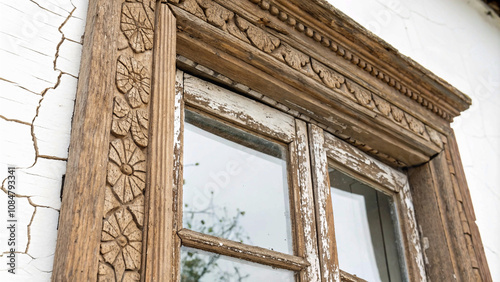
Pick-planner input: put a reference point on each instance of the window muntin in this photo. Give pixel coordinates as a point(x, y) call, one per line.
point(235, 184)
point(201, 266)
point(367, 243)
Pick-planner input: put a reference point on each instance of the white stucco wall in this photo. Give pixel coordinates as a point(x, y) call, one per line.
point(40, 47)
point(460, 42)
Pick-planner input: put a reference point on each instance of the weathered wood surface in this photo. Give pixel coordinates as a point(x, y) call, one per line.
point(346, 277)
point(238, 250)
point(178, 169)
point(365, 167)
point(160, 243)
point(323, 206)
point(412, 244)
point(225, 104)
point(369, 53)
point(80, 221)
point(447, 204)
point(438, 260)
point(267, 74)
point(462, 194)
point(306, 211)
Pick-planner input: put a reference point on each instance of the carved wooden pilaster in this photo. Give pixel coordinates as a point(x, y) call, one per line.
point(103, 213)
point(161, 244)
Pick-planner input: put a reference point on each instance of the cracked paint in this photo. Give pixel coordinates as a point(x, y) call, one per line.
point(40, 46)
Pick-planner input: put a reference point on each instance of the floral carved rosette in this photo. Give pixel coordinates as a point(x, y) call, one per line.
point(123, 222)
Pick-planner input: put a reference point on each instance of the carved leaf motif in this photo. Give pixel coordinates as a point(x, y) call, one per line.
point(329, 77)
point(139, 128)
point(397, 114)
point(382, 105)
point(235, 30)
point(137, 25)
point(192, 7)
point(262, 40)
point(363, 96)
point(122, 118)
point(435, 138)
point(415, 125)
point(121, 242)
point(133, 80)
point(294, 59)
point(216, 14)
point(126, 169)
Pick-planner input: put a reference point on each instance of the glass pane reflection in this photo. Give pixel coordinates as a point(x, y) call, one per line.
point(364, 229)
point(197, 265)
point(235, 185)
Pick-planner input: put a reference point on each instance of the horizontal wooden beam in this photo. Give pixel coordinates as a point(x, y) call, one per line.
point(230, 248)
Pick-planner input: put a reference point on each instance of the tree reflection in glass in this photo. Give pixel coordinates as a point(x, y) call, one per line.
point(235, 187)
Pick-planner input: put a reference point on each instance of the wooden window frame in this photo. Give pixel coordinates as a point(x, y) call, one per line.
point(302, 57)
point(217, 103)
point(329, 151)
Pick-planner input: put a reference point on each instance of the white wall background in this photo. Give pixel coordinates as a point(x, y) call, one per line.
point(40, 48)
point(460, 42)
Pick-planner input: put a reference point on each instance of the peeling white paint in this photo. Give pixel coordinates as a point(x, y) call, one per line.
point(40, 50)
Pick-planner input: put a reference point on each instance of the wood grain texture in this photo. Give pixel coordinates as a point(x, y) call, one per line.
point(323, 205)
point(439, 262)
point(410, 238)
point(306, 205)
point(160, 229)
point(77, 250)
point(463, 198)
point(226, 105)
point(365, 167)
point(447, 204)
point(238, 250)
point(226, 54)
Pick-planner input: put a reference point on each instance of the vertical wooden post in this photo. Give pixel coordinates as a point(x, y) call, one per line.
point(444, 243)
point(160, 186)
point(80, 220)
point(323, 203)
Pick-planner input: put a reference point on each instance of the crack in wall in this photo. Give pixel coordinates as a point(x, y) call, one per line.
point(44, 92)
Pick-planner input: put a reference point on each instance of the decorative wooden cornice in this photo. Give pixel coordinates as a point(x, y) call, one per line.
point(375, 103)
point(352, 57)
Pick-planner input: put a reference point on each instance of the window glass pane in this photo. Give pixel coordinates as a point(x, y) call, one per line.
point(364, 229)
point(197, 265)
point(235, 185)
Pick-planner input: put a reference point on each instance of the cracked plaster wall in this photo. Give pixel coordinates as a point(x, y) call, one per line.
point(40, 50)
point(460, 42)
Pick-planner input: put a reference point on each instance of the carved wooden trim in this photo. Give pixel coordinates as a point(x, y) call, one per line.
point(127, 115)
point(80, 222)
point(451, 243)
point(473, 241)
point(351, 56)
point(161, 238)
point(124, 200)
point(232, 23)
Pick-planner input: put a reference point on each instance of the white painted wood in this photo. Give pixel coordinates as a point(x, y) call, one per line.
point(246, 112)
point(363, 165)
point(39, 41)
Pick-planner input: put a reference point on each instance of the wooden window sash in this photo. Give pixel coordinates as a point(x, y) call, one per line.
point(240, 112)
point(329, 150)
